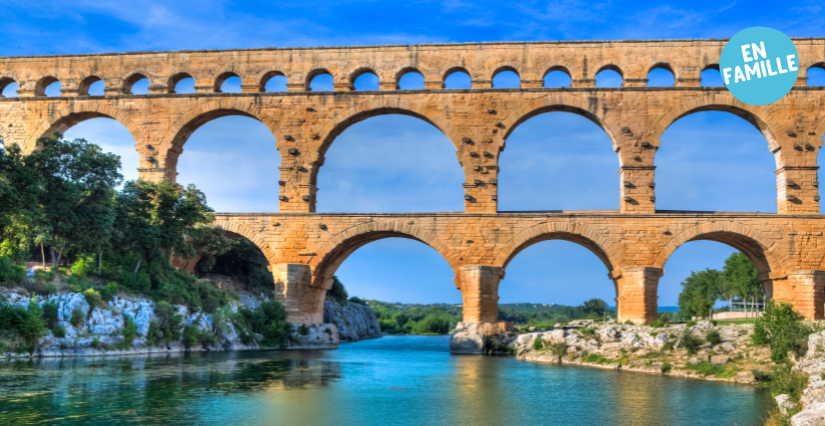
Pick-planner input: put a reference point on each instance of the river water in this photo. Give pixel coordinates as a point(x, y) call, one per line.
point(410, 380)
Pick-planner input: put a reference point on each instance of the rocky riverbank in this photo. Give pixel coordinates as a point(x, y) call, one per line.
point(812, 409)
point(101, 328)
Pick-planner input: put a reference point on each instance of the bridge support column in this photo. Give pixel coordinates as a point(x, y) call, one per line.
point(638, 194)
point(479, 291)
point(797, 190)
point(637, 289)
point(805, 290)
point(293, 288)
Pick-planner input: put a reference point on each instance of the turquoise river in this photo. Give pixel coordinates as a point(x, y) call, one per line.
point(389, 381)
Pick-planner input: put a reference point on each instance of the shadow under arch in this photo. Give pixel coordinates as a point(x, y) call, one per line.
point(186, 125)
point(729, 104)
point(231, 227)
point(765, 255)
point(553, 104)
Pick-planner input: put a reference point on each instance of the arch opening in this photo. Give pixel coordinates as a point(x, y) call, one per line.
point(107, 133)
point(457, 78)
point(703, 261)
point(229, 143)
point(557, 77)
point(609, 76)
point(541, 270)
point(711, 77)
point(661, 75)
point(506, 78)
point(398, 162)
point(541, 167)
point(228, 82)
point(136, 84)
point(245, 263)
point(816, 75)
point(8, 88)
point(410, 79)
point(48, 86)
point(274, 81)
point(92, 86)
point(182, 83)
point(320, 81)
point(713, 159)
point(366, 80)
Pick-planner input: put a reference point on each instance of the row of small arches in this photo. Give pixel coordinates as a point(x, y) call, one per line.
point(365, 79)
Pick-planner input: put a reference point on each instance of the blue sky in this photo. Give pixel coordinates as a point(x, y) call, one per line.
point(375, 166)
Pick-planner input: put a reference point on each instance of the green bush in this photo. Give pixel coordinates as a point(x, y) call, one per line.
point(303, 330)
point(783, 329)
point(10, 273)
point(83, 266)
point(559, 348)
point(110, 291)
point(43, 275)
point(60, 331)
point(538, 343)
point(629, 322)
point(78, 317)
point(50, 314)
point(713, 337)
point(691, 342)
point(171, 322)
point(657, 324)
point(268, 319)
point(691, 323)
point(26, 323)
point(154, 335)
point(96, 342)
point(784, 380)
point(129, 332)
point(190, 336)
point(433, 323)
point(78, 284)
point(207, 337)
point(93, 298)
point(357, 300)
point(337, 293)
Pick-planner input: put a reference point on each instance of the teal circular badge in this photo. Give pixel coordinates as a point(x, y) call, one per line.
point(759, 65)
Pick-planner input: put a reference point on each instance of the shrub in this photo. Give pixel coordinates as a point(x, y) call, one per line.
point(303, 330)
point(26, 324)
point(691, 342)
point(154, 335)
point(96, 342)
point(110, 291)
point(268, 319)
point(190, 336)
point(93, 298)
point(78, 317)
point(10, 273)
point(50, 314)
point(171, 322)
point(83, 266)
point(337, 293)
point(657, 324)
point(691, 323)
point(538, 343)
point(207, 337)
point(432, 323)
point(78, 284)
point(41, 275)
point(786, 381)
point(713, 337)
point(629, 322)
point(783, 329)
point(129, 331)
point(558, 349)
point(60, 331)
point(357, 300)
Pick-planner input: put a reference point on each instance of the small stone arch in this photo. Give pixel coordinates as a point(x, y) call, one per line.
point(763, 251)
point(725, 102)
point(563, 68)
point(269, 75)
point(358, 72)
point(43, 83)
point(222, 78)
point(258, 239)
point(337, 248)
point(609, 67)
point(86, 84)
point(134, 77)
point(594, 240)
point(505, 67)
point(4, 82)
point(404, 71)
point(556, 102)
point(315, 73)
point(176, 78)
point(452, 70)
point(66, 117)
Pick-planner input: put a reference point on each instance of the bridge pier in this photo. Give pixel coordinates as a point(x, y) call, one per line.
point(293, 288)
point(805, 290)
point(637, 297)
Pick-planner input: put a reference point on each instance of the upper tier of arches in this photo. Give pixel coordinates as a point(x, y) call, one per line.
point(531, 62)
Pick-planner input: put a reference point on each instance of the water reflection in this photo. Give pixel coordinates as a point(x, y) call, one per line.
point(389, 381)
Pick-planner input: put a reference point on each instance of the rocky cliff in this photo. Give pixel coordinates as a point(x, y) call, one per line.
point(812, 411)
point(354, 321)
point(101, 329)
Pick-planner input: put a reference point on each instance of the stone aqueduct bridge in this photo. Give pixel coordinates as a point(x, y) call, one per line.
point(305, 248)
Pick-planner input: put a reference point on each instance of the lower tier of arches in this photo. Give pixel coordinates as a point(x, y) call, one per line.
point(305, 250)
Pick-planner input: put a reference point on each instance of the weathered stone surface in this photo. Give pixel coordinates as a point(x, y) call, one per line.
point(466, 340)
point(719, 359)
point(745, 378)
point(354, 321)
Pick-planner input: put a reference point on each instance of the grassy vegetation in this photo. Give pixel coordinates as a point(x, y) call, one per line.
point(704, 368)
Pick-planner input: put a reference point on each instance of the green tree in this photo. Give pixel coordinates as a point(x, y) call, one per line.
point(595, 306)
point(783, 329)
point(20, 192)
point(699, 292)
point(741, 279)
point(337, 293)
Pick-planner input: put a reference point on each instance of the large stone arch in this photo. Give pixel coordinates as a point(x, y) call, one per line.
point(180, 131)
point(595, 240)
point(392, 106)
point(557, 102)
point(65, 118)
point(246, 232)
point(759, 116)
point(768, 258)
